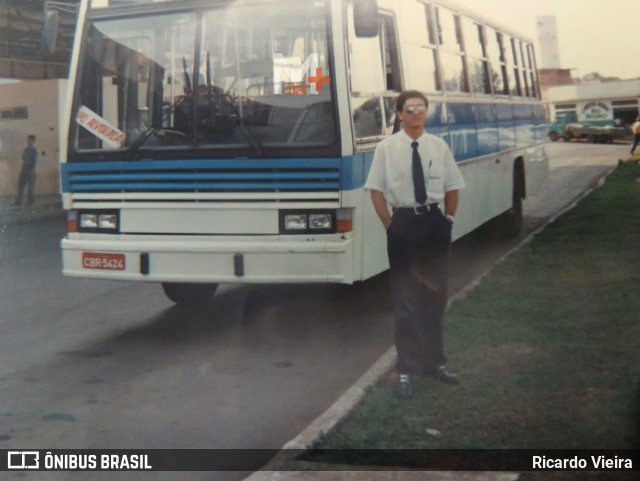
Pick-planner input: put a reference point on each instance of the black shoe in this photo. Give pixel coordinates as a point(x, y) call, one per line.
point(445, 376)
point(404, 388)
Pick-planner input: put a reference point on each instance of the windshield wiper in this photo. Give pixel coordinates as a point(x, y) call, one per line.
point(172, 108)
point(154, 130)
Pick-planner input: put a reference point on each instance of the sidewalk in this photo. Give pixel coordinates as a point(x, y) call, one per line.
point(43, 206)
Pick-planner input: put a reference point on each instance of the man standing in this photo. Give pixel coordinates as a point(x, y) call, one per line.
point(28, 173)
point(414, 172)
point(635, 130)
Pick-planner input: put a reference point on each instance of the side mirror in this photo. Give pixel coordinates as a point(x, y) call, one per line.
point(365, 18)
point(50, 31)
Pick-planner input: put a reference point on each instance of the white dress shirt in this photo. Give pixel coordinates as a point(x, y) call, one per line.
point(391, 171)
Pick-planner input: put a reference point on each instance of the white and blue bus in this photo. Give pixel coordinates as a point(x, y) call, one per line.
point(217, 141)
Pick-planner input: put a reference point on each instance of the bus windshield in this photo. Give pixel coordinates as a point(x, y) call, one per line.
point(236, 75)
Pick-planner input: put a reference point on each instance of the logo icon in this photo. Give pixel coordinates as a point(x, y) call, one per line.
point(295, 75)
point(23, 460)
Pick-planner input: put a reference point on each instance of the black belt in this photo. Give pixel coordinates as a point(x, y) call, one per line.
point(418, 210)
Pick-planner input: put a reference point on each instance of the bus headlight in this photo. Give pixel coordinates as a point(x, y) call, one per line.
point(88, 221)
point(307, 222)
point(108, 221)
point(319, 221)
point(98, 221)
point(295, 222)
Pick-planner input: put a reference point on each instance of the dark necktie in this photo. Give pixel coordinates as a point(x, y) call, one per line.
point(419, 188)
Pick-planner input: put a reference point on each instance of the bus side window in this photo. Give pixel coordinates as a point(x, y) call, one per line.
point(392, 123)
point(367, 117)
point(496, 57)
point(452, 61)
point(390, 55)
point(477, 56)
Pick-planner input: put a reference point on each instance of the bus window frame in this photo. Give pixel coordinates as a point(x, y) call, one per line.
point(442, 49)
point(168, 152)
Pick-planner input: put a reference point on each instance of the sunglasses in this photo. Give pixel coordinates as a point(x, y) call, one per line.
point(415, 109)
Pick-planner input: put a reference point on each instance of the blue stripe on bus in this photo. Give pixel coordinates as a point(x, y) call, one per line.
point(148, 164)
point(202, 186)
point(197, 175)
point(211, 176)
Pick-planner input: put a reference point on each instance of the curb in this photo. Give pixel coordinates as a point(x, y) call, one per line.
point(342, 473)
point(324, 424)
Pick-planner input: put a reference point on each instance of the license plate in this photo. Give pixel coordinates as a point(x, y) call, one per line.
point(102, 260)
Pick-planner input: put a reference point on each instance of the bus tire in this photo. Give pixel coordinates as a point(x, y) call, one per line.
point(510, 222)
point(189, 294)
point(554, 136)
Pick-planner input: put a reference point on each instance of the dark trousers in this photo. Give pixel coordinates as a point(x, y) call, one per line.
point(636, 141)
point(27, 179)
point(418, 248)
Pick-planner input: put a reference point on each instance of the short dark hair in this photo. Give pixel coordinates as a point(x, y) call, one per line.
point(409, 94)
point(31, 137)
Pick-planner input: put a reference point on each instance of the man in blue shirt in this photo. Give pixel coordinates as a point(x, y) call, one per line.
point(28, 173)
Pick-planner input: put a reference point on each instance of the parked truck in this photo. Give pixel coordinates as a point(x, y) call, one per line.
point(567, 127)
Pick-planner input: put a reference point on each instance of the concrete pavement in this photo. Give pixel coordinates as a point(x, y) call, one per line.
point(43, 206)
point(388, 476)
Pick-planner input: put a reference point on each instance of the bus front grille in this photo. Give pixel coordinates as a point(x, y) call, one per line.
point(237, 181)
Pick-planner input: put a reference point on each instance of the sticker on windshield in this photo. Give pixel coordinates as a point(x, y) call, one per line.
point(100, 127)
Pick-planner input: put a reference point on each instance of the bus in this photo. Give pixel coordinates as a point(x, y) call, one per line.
point(213, 142)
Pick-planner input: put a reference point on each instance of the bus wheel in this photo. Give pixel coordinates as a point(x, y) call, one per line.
point(185, 294)
point(510, 222)
point(554, 136)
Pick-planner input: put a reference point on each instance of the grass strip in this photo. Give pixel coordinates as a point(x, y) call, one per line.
point(546, 346)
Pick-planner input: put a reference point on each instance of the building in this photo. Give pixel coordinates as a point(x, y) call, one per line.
point(22, 55)
point(598, 102)
point(548, 41)
point(31, 107)
point(604, 102)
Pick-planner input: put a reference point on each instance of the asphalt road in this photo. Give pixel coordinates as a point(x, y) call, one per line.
point(99, 364)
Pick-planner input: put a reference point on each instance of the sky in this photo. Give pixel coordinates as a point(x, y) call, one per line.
point(593, 35)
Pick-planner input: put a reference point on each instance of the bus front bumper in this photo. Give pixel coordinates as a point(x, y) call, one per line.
point(211, 260)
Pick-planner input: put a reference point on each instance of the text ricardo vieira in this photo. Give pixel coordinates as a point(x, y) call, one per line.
point(577, 462)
